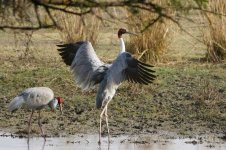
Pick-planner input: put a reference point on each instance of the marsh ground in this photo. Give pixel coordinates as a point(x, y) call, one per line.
point(188, 98)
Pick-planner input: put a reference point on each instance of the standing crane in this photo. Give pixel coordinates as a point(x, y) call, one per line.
point(36, 98)
point(89, 70)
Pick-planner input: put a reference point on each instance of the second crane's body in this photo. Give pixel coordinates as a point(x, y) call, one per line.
point(36, 98)
point(89, 70)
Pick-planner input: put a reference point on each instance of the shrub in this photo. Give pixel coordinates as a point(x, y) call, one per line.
point(151, 45)
point(215, 33)
point(75, 28)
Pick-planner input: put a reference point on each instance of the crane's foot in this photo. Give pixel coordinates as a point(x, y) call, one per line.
point(109, 142)
point(99, 142)
point(28, 137)
point(44, 136)
point(28, 140)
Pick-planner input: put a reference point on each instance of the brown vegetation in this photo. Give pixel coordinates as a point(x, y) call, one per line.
point(215, 34)
point(151, 45)
point(75, 28)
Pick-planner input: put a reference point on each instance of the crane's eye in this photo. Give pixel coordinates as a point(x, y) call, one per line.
point(123, 31)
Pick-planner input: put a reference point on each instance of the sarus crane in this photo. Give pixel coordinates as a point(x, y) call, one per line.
point(36, 98)
point(89, 70)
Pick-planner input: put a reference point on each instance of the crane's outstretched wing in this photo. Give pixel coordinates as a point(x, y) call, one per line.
point(126, 67)
point(87, 68)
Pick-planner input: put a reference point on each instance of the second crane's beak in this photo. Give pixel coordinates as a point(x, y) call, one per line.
point(61, 109)
point(131, 33)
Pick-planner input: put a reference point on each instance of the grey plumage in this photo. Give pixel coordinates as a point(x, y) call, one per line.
point(16, 103)
point(125, 67)
point(86, 67)
point(89, 70)
point(33, 98)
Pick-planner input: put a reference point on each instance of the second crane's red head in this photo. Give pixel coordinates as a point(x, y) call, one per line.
point(60, 101)
point(121, 31)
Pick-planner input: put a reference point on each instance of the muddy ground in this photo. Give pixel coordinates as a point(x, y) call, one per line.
point(188, 98)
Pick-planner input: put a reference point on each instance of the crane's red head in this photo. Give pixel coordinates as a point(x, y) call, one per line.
point(60, 101)
point(121, 31)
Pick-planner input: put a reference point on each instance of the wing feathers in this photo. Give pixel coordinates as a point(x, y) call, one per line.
point(87, 68)
point(147, 65)
point(68, 51)
point(144, 68)
point(146, 79)
point(145, 76)
point(146, 73)
point(137, 71)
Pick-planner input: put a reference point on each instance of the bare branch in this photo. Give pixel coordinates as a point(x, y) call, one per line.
point(50, 16)
point(26, 27)
point(153, 21)
point(37, 15)
point(86, 7)
point(208, 11)
point(36, 2)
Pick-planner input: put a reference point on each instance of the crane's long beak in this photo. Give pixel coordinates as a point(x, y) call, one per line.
point(61, 109)
point(132, 33)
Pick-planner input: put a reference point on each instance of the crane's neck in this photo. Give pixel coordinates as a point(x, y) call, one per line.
point(53, 104)
point(122, 45)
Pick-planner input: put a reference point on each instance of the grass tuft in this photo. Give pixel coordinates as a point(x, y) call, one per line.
point(151, 45)
point(215, 34)
point(76, 28)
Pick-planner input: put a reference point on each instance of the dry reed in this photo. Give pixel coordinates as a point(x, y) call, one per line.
point(214, 35)
point(151, 45)
point(76, 28)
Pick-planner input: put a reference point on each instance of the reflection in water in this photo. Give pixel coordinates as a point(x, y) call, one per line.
point(108, 146)
point(89, 142)
point(28, 144)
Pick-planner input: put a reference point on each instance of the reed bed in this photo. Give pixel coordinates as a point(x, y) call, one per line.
point(214, 36)
point(76, 28)
point(151, 45)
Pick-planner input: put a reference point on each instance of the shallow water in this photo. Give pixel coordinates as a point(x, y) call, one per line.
point(89, 142)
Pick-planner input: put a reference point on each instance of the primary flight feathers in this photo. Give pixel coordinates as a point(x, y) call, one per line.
point(89, 70)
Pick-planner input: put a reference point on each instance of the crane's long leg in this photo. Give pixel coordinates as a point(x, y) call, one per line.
point(106, 116)
point(28, 144)
point(101, 115)
point(29, 124)
point(40, 125)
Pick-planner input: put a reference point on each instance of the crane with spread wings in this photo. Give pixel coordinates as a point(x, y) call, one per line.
point(89, 70)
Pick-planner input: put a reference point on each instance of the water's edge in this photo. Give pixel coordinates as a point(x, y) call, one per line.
point(89, 142)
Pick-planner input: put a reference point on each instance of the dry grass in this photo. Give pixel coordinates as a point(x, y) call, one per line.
point(152, 44)
point(23, 42)
point(75, 28)
point(215, 34)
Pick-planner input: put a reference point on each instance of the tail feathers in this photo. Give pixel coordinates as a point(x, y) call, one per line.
point(99, 101)
point(101, 94)
point(100, 97)
point(16, 103)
